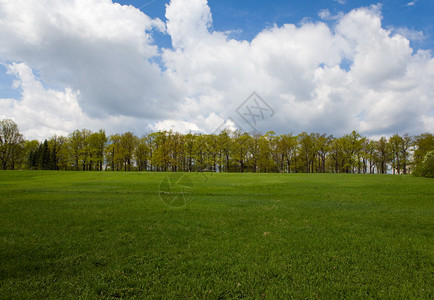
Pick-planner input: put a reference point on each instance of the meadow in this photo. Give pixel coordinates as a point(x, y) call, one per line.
point(72, 235)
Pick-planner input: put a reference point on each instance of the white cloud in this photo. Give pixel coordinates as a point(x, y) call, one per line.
point(178, 126)
point(40, 110)
point(412, 35)
point(378, 56)
point(96, 47)
point(325, 14)
point(188, 21)
point(297, 70)
point(355, 74)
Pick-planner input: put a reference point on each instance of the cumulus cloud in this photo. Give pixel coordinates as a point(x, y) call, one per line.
point(299, 71)
point(101, 49)
point(412, 35)
point(188, 21)
point(372, 47)
point(96, 60)
point(42, 112)
point(178, 126)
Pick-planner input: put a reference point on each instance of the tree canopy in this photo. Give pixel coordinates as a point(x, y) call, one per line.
point(227, 151)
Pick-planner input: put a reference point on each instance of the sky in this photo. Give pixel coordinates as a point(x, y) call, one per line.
point(329, 66)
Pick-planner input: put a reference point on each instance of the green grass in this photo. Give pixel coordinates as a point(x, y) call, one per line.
point(109, 235)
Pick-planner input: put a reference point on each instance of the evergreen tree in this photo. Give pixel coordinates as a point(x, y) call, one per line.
point(32, 159)
point(53, 158)
point(45, 156)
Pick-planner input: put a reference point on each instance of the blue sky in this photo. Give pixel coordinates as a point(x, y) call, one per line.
point(329, 66)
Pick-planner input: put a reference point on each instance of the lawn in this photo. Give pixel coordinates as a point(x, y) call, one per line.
point(124, 235)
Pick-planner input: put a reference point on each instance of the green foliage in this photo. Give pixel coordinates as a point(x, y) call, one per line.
point(228, 151)
point(426, 167)
point(96, 144)
point(53, 158)
point(423, 144)
point(42, 157)
point(70, 235)
point(31, 150)
point(11, 145)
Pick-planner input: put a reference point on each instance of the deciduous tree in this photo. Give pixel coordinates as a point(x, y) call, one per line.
point(11, 144)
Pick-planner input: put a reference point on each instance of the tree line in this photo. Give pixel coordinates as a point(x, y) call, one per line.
point(227, 151)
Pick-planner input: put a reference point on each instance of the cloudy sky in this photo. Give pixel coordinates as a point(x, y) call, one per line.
point(329, 66)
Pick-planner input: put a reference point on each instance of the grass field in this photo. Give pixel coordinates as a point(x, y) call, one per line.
point(110, 235)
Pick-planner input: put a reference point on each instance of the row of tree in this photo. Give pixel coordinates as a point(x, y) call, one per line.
point(228, 151)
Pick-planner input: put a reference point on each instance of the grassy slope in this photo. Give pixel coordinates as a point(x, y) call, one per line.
point(70, 235)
